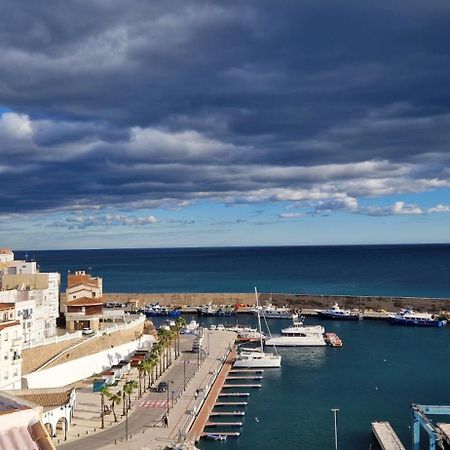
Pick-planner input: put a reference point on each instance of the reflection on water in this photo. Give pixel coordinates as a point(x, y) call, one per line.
point(304, 357)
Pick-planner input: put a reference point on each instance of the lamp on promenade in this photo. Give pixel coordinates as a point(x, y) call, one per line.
point(169, 382)
point(335, 411)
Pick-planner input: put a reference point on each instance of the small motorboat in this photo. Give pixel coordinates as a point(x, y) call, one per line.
point(216, 437)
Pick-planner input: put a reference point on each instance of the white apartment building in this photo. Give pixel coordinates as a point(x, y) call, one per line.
point(35, 296)
point(10, 348)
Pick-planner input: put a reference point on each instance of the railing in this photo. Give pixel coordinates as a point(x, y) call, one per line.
point(123, 326)
point(52, 340)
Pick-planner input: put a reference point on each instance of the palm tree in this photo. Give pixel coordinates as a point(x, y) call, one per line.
point(128, 389)
point(141, 373)
point(103, 391)
point(115, 399)
point(179, 324)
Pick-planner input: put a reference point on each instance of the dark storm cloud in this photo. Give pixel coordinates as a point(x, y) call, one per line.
point(148, 104)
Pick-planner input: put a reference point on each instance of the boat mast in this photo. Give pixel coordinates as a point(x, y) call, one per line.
point(259, 320)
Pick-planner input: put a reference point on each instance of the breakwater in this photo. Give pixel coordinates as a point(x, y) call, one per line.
point(297, 301)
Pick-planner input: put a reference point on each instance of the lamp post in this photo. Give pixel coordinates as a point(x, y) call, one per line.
point(184, 374)
point(335, 411)
point(169, 382)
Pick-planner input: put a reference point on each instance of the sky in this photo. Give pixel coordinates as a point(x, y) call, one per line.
point(209, 123)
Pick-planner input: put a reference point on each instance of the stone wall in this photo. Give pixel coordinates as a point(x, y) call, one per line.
point(298, 301)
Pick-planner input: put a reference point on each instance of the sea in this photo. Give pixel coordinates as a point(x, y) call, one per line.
point(379, 372)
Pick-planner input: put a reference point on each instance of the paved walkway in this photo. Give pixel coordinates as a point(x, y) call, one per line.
point(144, 424)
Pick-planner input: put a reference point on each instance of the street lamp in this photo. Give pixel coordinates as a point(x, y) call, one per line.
point(168, 396)
point(335, 411)
point(184, 374)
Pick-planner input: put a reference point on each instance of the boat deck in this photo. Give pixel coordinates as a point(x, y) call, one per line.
point(386, 436)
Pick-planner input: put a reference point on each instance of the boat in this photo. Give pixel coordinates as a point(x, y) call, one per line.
point(208, 310)
point(299, 335)
point(332, 339)
point(335, 312)
point(409, 317)
point(257, 357)
point(156, 310)
point(270, 311)
point(216, 436)
point(190, 328)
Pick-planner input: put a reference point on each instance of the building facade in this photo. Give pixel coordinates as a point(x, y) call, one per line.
point(10, 348)
point(35, 296)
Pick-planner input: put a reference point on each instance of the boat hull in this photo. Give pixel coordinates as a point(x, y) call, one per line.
point(417, 323)
point(258, 363)
point(330, 316)
point(295, 342)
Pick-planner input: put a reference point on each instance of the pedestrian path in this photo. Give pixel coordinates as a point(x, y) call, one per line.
point(153, 404)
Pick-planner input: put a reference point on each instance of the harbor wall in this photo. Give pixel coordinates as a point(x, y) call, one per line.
point(297, 301)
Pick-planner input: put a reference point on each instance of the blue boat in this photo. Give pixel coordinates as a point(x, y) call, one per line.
point(408, 317)
point(337, 313)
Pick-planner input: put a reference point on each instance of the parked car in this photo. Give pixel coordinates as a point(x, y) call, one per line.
point(162, 387)
point(87, 331)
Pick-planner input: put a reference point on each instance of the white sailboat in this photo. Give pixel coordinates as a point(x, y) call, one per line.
point(257, 357)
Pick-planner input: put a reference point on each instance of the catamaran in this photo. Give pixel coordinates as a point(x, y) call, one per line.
point(299, 335)
point(257, 357)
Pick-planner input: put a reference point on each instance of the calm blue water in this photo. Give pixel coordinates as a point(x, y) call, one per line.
point(378, 373)
point(405, 270)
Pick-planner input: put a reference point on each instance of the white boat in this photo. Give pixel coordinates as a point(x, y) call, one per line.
point(257, 357)
point(299, 335)
point(335, 312)
point(208, 310)
point(270, 311)
point(190, 327)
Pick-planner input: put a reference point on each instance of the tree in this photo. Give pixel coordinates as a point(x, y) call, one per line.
point(141, 373)
point(103, 392)
point(115, 399)
point(128, 389)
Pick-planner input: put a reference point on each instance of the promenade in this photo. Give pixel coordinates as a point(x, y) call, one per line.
point(145, 427)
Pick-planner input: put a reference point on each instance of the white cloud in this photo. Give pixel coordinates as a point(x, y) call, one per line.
point(290, 215)
point(15, 126)
point(439, 209)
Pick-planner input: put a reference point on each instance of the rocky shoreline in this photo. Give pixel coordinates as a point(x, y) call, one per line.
point(297, 301)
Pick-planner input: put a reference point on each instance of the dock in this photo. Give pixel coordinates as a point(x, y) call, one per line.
point(196, 431)
point(227, 413)
point(234, 394)
point(386, 436)
point(247, 371)
point(251, 377)
point(231, 386)
point(231, 404)
point(233, 434)
point(223, 424)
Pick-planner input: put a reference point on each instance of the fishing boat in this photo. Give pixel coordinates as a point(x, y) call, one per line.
point(156, 310)
point(270, 311)
point(408, 317)
point(299, 335)
point(257, 357)
point(335, 312)
point(208, 310)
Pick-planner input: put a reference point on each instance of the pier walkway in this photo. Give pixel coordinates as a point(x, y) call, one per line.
point(386, 436)
point(203, 416)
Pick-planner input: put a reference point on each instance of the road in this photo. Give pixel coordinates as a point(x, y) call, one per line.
point(149, 410)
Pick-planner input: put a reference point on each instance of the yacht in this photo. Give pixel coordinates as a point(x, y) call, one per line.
point(270, 311)
point(299, 335)
point(335, 312)
point(257, 357)
point(411, 318)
